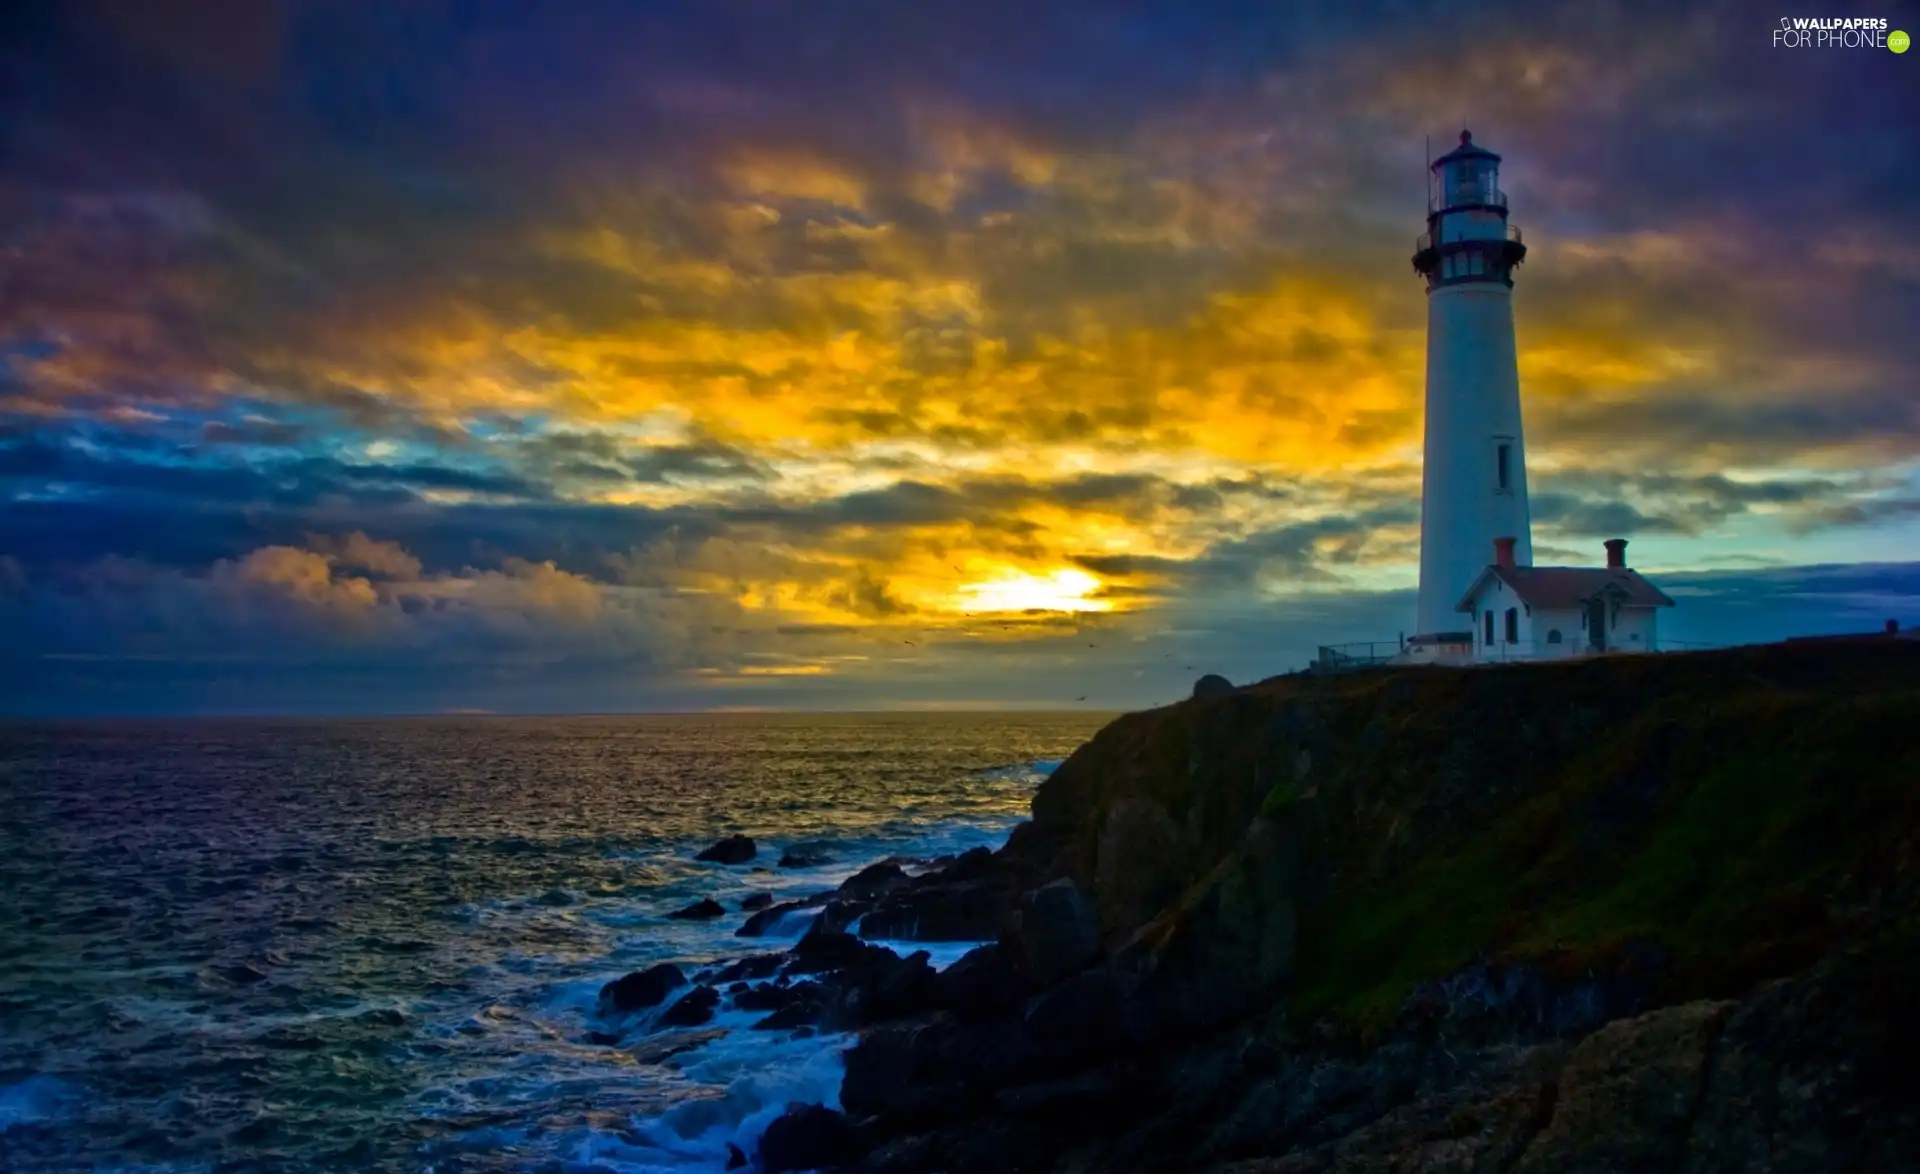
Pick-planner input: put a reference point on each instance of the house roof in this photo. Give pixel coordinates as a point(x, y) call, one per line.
point(1568, 586)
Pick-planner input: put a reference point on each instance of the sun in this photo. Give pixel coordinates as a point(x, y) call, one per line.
point(1062, 590)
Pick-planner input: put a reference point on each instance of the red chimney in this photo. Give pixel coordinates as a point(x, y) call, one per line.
point(1503, 552)
point(1616, 553)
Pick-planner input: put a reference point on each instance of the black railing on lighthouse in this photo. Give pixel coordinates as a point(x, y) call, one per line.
point(1424, 241)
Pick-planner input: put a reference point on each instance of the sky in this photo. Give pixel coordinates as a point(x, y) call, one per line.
point(429, 356)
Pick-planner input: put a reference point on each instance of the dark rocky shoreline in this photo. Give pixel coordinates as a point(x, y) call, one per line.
point(1635, 914)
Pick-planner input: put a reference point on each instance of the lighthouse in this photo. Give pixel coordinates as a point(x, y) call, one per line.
point(1474, 481)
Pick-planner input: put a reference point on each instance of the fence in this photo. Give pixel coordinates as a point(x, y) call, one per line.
point(1341, 658)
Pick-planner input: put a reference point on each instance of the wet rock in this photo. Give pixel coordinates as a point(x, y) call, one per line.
point(764, 920)
point(756, 901)
point(965, 901)
point(807, 1137)
point(659, 1048)
point(874, 881)
point(1210, 686)
point(805, 855)
point(731, 850)
point(768, 996)
point(601, 1039)
point(797, 1014)
point(693, 1008)
point(831, 949)
point(831, 914)
point(641, 988)
point(751, 967)
point(736, 1158)
point(704, 909)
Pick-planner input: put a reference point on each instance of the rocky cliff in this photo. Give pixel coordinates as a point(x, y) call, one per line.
point(1623, 914)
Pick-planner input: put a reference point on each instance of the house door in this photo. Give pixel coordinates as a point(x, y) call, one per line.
point(1597, 624)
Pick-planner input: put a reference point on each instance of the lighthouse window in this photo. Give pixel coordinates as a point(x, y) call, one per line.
point(1513, 625)
point(1553, 636)
point(1503, 462)
point(1489, 619)
point(1476, 263)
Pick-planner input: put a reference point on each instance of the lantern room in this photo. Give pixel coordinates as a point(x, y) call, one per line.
point(1469, 177)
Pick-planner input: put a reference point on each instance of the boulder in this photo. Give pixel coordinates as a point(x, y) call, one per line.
point(808, 1137)
point(769, 996)
point(823, 948)
point(966, 912)
point(736, 1157)
point(935, 1066)
point(764, 920)
point(805, 856)
point(693, 1008)
point(1055, 932)
point(1210, 686)
point(1629, 1094)
point(987, 981)
point(702, 910)
point(797, 1014)
point(731, 850)
point(755, 902)
point(642, 988)
point(873, 881)
point(751, 967)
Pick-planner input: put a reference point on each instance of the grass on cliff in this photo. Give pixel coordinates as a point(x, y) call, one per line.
point(1731, 833)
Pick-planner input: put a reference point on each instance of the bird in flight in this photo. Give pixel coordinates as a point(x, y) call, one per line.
point(1082, 697)
point(906, 642)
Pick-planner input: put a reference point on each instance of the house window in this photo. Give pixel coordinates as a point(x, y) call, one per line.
point(1489, 618)
point(1553, 636)
point(1513, 625)
point(1503, 464)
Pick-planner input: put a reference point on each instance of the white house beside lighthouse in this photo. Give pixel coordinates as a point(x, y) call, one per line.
point(1474, 481)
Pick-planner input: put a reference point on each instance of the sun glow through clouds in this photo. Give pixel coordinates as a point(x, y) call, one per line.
point(1062, 590)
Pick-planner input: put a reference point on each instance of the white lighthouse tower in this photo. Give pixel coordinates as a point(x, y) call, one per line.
point(1475, 477)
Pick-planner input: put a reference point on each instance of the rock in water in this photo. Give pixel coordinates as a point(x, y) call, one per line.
point(732, 850)
point(694, 1008)
point(755, 902)
point(735, 1157)
point(807, 1137)
point(874, 881)
point(701, 910)
point(752, 966)
point(642, 988)
point(1210, 686)
point(800, 858)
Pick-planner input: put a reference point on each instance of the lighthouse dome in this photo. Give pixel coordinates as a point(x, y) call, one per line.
point(1468, 149)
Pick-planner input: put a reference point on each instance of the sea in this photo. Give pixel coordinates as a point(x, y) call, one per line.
point(240, 945)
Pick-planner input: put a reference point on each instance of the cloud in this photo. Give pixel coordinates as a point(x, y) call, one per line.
point(771, 332)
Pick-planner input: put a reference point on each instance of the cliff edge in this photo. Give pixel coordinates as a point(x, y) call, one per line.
point(1653, 912)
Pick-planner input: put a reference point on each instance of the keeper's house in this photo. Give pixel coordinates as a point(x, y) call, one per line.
point(1544, 613)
